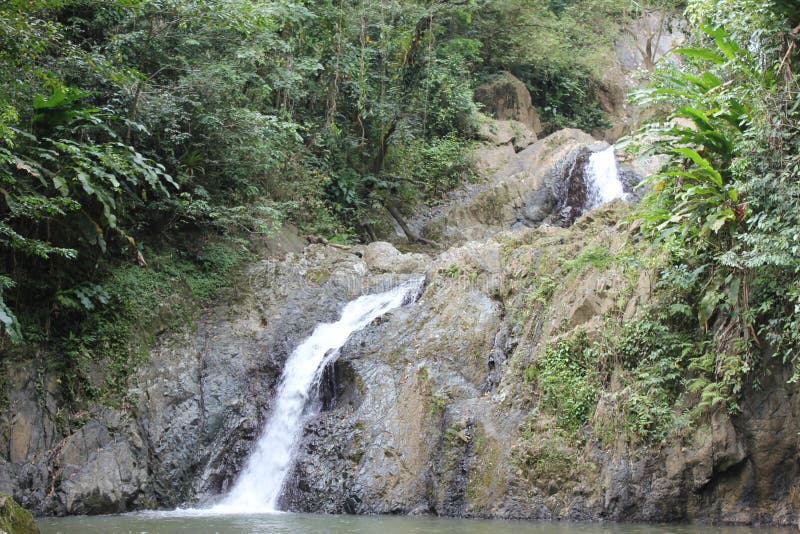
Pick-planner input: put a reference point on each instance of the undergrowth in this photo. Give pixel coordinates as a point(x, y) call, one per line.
point(108, 327)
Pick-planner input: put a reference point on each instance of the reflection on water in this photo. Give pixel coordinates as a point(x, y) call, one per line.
point(176, 522)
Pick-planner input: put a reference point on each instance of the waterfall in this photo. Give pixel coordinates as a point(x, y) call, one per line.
point(259, 485)
point(602, 179)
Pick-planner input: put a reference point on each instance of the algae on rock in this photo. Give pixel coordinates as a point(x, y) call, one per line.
point(14, 519)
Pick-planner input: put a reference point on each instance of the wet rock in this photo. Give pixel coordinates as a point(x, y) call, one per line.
point(195, 412)
point(109, 481)
point(416, 372)
point(440, 404)
point(27, 420)
point(521, 190)
point(573, 190)
point(340, 386)
point(100, 468)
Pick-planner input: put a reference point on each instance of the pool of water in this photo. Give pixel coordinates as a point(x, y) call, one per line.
point(174, 523)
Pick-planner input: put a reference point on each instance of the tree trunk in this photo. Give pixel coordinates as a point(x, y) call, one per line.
point(369, 231)
point(410, 235)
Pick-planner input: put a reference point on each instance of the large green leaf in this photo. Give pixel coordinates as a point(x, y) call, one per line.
point(695, 115)
point(60, 96)
point(9, 322)
point(700, 53)
point(701, 162)
point(723, 40)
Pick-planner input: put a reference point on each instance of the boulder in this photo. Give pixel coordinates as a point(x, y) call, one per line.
point(383, 257)
point(505, 97)
point(510, 132)
point(102, 467)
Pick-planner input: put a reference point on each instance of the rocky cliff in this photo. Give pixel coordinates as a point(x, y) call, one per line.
point(431, 411)
point(443, 407)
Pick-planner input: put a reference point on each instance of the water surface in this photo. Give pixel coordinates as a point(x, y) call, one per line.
point(171, 523)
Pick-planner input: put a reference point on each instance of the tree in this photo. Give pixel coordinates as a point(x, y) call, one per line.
point(653, 19)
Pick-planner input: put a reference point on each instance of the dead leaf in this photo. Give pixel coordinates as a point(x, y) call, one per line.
point(21, 165)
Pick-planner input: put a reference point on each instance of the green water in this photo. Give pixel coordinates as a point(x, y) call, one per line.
point(170, 523)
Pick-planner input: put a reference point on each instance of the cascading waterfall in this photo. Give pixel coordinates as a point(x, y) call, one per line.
point(602, 179)
point(260, 483)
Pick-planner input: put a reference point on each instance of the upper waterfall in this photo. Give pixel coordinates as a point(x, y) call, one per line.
point(259, 485)
point(602, 179)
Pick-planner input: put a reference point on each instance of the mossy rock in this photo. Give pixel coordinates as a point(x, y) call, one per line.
point(14, 519)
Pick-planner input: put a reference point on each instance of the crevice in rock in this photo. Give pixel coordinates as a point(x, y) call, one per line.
point(502, 348)
point(448, 479)
point(573, 192)
point(340, 387)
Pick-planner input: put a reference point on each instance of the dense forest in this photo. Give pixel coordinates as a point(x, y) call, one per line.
point(146, 144)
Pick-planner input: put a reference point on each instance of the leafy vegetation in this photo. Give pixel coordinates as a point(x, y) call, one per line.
point(724, 205)
point(145, 142)
point(133, 130)
point(567, 365)
point(560, 50)
point(560, 65)
point(648, 356)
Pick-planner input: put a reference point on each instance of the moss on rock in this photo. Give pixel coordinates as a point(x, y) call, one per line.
point(14, 519)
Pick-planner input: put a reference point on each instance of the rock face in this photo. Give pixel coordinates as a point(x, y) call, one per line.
point(102, 468)
point(522, 190)
point(193, 413)
point(541, 184)
point(430, 412)
point(637, 47)
point(428, 409)
point(498, 133)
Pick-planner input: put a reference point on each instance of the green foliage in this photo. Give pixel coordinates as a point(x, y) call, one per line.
point(544, 288)
point(68, 182)
point(453, 271)
point(567, 377)
point(563, 65)
point(655, 356)
point(85, 298)
point(541, 457)
point(438, 404)
point(595, 255)
point(433, 167)
point(137, 121)
point(7, 317)
point(14, 518)
point(699, 194)
point(141, 121)
point(119, 317)
point(724, 205)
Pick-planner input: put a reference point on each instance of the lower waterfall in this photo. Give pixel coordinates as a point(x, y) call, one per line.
point(259, 485)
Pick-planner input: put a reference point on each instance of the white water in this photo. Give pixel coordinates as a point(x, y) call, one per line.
point(602, 179)
point(259, 485)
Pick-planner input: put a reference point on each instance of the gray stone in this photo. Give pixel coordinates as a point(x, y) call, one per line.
point(505, 97)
